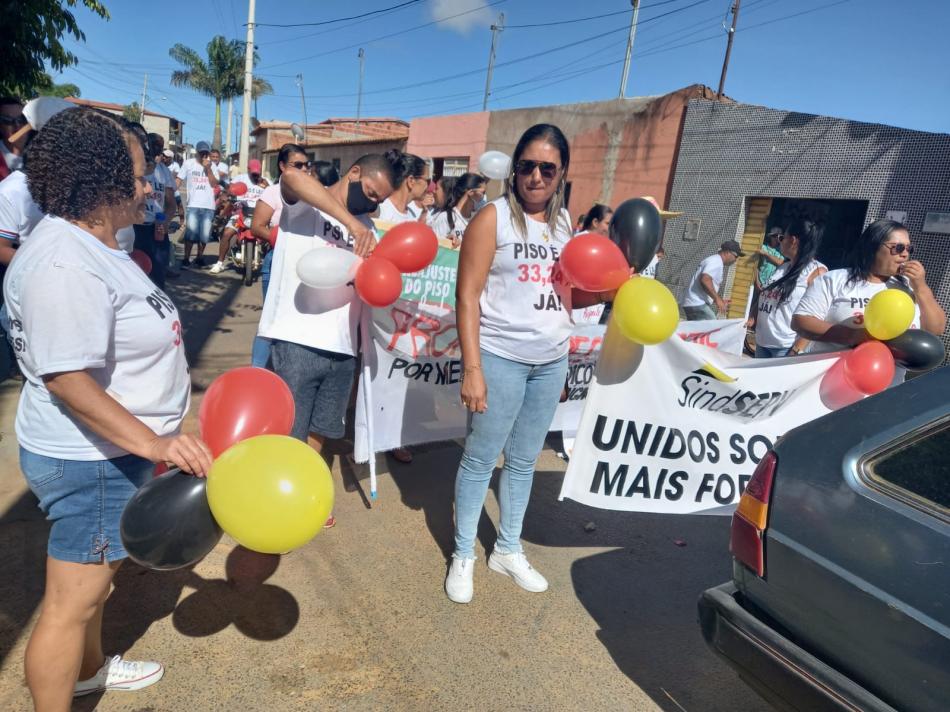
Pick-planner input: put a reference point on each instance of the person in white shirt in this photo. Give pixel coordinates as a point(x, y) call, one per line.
point(106, 390)
point(245, 204)
point(199, 178)
point(222, 171)
point(313, 332)
point(450, 222)
point(597, 220)
point(704, 287)
point(831, 314)
point(151, 236)
point(514, 326)
point(402, 205)
point(777, 302)
point(174, 166)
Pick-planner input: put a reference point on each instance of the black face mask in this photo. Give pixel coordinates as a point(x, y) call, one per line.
point(357, 202)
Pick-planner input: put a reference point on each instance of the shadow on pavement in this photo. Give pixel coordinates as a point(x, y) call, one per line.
point(23, 535)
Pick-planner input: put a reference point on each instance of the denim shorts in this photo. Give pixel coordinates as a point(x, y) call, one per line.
point(321, 382)
point(84, 500)
point(198, 225)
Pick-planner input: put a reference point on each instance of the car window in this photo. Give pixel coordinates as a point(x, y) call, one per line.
point(918, 468)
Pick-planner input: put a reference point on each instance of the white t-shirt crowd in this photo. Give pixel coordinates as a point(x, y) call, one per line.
point(696, 296)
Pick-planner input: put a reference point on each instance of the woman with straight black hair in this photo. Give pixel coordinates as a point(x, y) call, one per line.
point(325, 172)
point(831, 313)
point(450, 222)
point(514, 325)
point(774, 336)
point(597, 219)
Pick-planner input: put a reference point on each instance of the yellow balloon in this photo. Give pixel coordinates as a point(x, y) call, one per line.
point(889, 314)
point(272, 493)
point(645, 311)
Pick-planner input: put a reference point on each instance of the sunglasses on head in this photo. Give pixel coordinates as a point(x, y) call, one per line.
point(526, 168)
point(899, 248)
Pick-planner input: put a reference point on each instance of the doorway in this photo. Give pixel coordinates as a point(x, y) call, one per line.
point(840, 220)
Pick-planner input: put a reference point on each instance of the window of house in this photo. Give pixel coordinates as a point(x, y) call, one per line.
point(455, 166)
point(918, 470)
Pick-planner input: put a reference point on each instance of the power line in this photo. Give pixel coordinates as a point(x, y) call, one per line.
point(585, 19)
point(390, 35)
point(340, 19)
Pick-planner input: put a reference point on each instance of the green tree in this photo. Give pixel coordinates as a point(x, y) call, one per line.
point(132, 112)
point(47, 87)
point(30, 35)
point(221, 77)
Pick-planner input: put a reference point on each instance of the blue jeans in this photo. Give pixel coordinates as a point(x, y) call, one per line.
point(771, 351)
point(701, 313)
point(522, 399)
point(84, 500)
point(198, 224)
point(260, 351)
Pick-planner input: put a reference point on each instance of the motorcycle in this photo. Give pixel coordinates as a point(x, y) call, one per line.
point(247, 252)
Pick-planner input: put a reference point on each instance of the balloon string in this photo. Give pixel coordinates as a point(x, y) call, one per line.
point(367, 348)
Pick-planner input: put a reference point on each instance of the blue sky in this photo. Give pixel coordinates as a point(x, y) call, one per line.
point(870, 60)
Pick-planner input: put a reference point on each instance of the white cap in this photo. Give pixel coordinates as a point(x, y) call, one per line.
point(40, 110)
point(168, 154)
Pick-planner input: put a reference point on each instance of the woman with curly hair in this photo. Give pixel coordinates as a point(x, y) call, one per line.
point(106, 389)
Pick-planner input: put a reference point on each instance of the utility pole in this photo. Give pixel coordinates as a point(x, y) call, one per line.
point(626, 62)
point(359, 92)
point(303, 103)
point(495, 30)
point(248, 84)
point(227, 141)
point(142, 107)
point(725, 62)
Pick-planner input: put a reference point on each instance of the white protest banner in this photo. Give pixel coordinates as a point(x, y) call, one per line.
point(679, 427)
point(726, 335)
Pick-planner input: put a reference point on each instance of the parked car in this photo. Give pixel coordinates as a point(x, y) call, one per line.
point(840, 598)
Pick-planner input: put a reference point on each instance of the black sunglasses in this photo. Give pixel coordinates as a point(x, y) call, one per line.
point(548, 170)
point(899, 248)
point(300, 165)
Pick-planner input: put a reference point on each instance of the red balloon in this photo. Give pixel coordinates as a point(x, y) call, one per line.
point(237, 189)
point(593, 263)
point(378, 282)
point(243, 403)
point(870, 367)
point(142, 260)
point(411, 246)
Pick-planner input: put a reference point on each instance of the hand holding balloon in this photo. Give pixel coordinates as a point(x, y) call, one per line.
point(184, 451)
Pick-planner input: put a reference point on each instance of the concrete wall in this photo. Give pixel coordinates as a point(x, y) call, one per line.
point(450, 137)
point(732, 152)
point(620, 149)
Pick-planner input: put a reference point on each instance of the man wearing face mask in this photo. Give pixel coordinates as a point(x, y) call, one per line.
point(313, 331)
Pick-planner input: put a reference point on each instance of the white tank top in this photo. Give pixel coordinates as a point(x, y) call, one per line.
point(773, 326)
point(525, 306)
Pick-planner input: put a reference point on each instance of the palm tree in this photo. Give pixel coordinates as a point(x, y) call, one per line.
point(220, 77)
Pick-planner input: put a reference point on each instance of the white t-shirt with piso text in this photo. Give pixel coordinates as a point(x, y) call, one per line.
point(74, 304)
point(197, 186)
point(325, 319)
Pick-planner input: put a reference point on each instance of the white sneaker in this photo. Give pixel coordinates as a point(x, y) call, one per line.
point(217, 268)
point(458, 584)
point(119, 674)
point(517, 566)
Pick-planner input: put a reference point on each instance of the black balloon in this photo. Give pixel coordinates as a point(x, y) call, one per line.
point(167, 524)
point(917, 350)
point(635, 228)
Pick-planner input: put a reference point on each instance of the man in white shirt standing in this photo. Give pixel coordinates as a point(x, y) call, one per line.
point(221, 169)
point(703, 292)
point(314, 331)
point(199, 180)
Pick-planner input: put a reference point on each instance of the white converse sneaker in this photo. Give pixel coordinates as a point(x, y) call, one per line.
point(458, 584)
point(517, 566)
point(119, 674)
point(217, 268)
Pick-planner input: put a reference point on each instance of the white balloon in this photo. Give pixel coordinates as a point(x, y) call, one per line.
point(327, 267)
point(494, 164)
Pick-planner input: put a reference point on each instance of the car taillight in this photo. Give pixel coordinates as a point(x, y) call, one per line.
point(751, 517)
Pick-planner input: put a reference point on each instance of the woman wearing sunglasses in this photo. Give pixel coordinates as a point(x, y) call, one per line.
point(514, 324)
point(831, 313)
point(774, 336)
